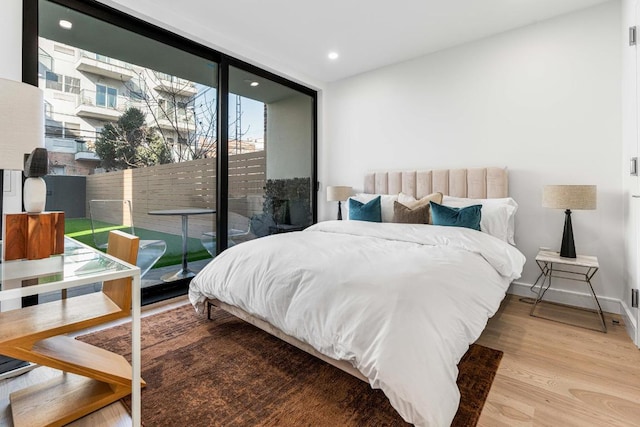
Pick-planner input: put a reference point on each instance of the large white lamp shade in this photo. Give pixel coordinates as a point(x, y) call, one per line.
point(21, 131)
point(21, 122)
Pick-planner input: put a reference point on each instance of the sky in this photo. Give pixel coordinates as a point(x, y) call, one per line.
point(252, 112)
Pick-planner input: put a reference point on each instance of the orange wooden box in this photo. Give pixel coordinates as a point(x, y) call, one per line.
point(32, 235)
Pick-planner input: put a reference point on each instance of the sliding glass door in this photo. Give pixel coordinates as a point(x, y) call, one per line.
point(134, 120)
point(270, 145)
point(131, 125)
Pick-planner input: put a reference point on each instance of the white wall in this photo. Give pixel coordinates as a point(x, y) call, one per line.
point(630, 149)
point(289, 137)
point(11, 68)
point(543, 100)
point(11, 35)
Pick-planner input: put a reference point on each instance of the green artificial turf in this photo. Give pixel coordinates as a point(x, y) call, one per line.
point(80, 229)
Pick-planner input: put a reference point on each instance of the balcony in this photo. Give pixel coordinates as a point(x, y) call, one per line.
point(184, 121)
point(110, 108)
point(86, 151)
point(104, 66)
point(87, 156)
point(174, 85)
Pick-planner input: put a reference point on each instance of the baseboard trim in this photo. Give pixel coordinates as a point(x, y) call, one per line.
point(629, 322)
point(563, 296)
point(584, 300)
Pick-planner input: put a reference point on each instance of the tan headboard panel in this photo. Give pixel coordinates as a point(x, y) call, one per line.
point(477, 183)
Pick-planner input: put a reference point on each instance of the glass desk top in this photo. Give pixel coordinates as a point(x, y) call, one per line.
point(80, 264)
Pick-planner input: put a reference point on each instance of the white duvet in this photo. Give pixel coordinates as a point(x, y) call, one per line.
point(401, 302)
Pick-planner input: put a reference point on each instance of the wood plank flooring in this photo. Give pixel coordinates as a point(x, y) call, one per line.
point(552, 374)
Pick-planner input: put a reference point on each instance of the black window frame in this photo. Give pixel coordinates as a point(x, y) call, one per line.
point(30, 57)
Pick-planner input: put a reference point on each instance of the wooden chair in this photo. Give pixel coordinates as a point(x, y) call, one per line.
point(93, 377)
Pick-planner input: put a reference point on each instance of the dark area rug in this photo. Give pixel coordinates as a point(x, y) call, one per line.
point(226, 372)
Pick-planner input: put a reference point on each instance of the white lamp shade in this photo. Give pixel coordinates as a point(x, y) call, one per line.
point(338, 193)
point(579, 197)
point(21, 122)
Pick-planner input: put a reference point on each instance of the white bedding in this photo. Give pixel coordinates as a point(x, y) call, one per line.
point(401, 302)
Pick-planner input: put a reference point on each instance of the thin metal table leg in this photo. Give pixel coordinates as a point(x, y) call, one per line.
point(185, 228)
point(593, 293)
point(546, 276)
point(184, 272)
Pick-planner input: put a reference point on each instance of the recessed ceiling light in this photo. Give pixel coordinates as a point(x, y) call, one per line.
point(254, 84)
point(67, 25)
point(333, 55)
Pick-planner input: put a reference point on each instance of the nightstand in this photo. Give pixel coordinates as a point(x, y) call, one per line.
point(580, 269)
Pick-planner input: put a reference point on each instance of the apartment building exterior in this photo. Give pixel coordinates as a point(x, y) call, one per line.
point(84, 91)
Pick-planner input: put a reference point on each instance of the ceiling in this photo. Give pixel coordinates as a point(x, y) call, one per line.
point(88, 34)
point(294, 36)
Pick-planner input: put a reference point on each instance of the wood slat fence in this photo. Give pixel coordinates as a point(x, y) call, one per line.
point(183, 185)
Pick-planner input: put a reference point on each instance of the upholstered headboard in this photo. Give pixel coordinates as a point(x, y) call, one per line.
point(476, 183)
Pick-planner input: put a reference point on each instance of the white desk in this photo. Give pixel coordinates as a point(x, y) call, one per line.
point(80, 265)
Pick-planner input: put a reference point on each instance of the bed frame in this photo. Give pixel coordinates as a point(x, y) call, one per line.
point(477, 183)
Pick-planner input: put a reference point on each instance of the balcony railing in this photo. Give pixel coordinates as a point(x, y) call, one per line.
point(105, 59)
point(104, 66)
point(181, 120)
point(102, 105)
point(175, 85)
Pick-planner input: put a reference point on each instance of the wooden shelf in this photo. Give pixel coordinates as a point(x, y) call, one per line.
point(71, 355)
point(56, 317)
point(93, 377)
point(62, 400)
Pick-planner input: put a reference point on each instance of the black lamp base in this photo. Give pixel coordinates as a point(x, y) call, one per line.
point(568, 248)
point(339, 210)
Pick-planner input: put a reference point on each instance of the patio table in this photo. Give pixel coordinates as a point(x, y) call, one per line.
point(184, 272)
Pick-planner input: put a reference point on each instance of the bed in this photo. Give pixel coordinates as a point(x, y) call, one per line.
point(396, 305)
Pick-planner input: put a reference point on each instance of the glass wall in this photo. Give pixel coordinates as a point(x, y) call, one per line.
point(270, 157)
point(132, 111)
point(136, 120)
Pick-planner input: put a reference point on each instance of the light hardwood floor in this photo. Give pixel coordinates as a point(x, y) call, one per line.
point(551, 374)
point(554, 374)
point(114, 415)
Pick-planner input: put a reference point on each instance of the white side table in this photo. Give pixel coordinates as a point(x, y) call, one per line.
point(551, 265)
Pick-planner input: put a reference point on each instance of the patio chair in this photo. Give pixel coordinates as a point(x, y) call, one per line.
point(117, 214)
point(238, 228)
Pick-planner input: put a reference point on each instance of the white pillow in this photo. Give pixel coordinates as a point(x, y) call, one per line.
point(386, 203)
point(497, 215)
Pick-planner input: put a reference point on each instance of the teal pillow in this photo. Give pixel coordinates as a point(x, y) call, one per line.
point(468, 217)
point(370, 211)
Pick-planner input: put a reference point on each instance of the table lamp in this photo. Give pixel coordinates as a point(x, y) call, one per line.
point(21, 125)
point(338, 194)
point(579, 197)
